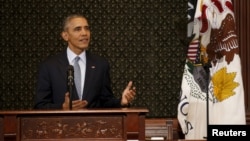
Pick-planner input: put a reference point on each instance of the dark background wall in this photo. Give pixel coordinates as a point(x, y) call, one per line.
point(138, 37)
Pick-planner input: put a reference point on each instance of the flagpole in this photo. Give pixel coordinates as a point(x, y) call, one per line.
point(207, 67)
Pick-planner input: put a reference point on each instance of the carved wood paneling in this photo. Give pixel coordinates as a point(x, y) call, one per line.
point(242, 12)
point(72, 127)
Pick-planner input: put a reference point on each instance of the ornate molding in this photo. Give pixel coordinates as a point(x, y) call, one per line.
point(71, 127)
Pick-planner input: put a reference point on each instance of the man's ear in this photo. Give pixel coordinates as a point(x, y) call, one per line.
point(64, 35)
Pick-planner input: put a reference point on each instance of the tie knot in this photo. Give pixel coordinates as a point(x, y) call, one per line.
point(77, 58)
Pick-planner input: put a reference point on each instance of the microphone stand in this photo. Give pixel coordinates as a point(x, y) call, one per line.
point(70, 84)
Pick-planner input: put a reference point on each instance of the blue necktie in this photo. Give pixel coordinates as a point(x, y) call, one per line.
point(77, 76)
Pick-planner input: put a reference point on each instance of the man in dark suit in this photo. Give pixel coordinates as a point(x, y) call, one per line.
point(95, 86)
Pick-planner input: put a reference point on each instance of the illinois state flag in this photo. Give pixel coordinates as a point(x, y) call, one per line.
point(214, 32)
point(226, 86)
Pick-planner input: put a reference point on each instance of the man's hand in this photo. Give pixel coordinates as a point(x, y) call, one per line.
point(128, 94)
point(76, 104)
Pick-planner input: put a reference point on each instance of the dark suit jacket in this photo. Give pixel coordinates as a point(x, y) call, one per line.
point(52, 83)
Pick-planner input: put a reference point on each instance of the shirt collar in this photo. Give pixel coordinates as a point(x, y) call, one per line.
point(71, 56)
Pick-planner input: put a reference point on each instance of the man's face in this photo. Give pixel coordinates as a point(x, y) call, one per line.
point(77, 34)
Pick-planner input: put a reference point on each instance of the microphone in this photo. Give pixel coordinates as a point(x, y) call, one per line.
point(70, 83)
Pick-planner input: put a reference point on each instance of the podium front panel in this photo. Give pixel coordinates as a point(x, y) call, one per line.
point(72, 127)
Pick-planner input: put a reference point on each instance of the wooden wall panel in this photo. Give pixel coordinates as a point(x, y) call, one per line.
point(242, 12)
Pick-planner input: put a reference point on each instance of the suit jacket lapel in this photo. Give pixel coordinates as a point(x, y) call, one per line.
point(90, 67)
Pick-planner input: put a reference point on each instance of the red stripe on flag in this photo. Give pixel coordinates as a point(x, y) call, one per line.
point(192, 50)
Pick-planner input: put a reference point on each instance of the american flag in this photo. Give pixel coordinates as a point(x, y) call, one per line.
point(193, 51)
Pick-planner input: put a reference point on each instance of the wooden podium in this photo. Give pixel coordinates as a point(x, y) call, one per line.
point(73, 125)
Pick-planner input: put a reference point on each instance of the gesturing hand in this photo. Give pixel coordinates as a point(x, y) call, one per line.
point(128, 94)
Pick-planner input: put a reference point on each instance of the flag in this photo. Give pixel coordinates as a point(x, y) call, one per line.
point(194, 88)
point(226, 92)
point(215, 72)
